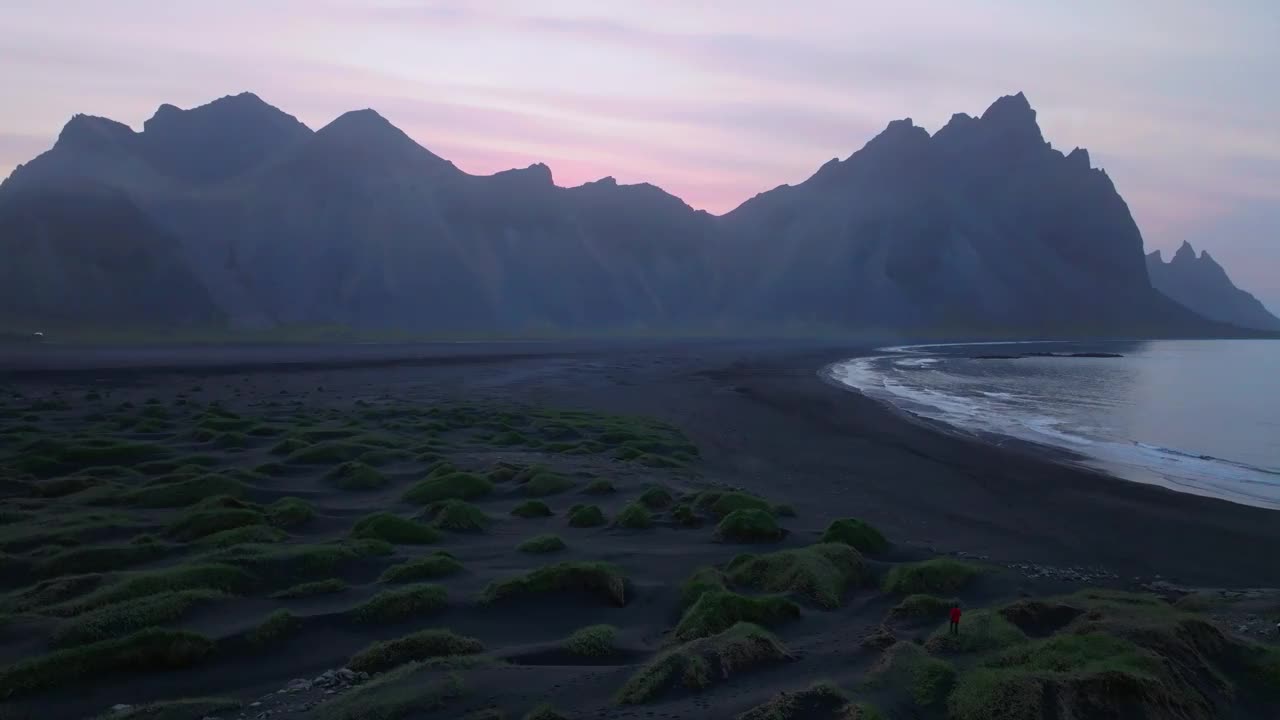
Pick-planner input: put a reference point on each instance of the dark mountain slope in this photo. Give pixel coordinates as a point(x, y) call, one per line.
point(1200, 284)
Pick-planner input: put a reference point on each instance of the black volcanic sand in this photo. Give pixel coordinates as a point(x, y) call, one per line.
point(146, 464)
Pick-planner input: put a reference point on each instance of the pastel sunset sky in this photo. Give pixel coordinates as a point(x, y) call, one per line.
point(714, 101)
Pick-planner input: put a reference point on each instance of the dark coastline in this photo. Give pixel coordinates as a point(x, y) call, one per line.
point(767, 420)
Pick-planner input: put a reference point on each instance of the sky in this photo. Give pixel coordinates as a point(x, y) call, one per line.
point(715, 100)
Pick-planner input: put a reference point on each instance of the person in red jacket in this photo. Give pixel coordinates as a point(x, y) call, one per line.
point(955, 619)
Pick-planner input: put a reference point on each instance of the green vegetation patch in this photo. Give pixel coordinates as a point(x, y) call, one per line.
point(702, 580)
point(585, 516)
point(402, 603)
point(820, 573)
point(723, 502)
point(684, 516)
point(309, 589)
point(542, 544)
point(125, 618)
point(451, 486)
point(656, 498)
point(749, 526)
point(290, 512)
point(183, 493)
point(547, 483)
point(249, 534)
point(717, 610)
point(595, 578)
point(545, 712)
point(433, 566)
point(939, 575)
point(599, 487)
point(700, 663)
point(908, 667)
point(531, 509)
point(458, 516)
point(356, 475)
point(593, 641)
point(820, 700)
point(146, 651)
point(383, 656)
point(200, 523)
point(278, 626)
point(328, 453)
point(980, 631)
point(291, 563)
point(394, 529)
point(634, 516)
point(400, 693)
point(856, 534)
point(207, 576)
point(923, 606)
point(100, 558)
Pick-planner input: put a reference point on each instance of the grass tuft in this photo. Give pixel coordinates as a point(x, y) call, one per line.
point(278, 626)
point(921, 605)
point(856, 534)
point(309, 589)
point(542, 544)
point(821, 699)
point(596, 578)
point(290, 512)
point(592, 641)
point(402, 604)
point(459, 516)
point(820, 573)
point(421, 645)
point(584, 516)
point(939, 575)
point(717, 610)
point(907, 666)
point(355, 475)
point(185, 492)
point(531, 509)
point(599, 487)
point(546, 483)
point(394, 529)
point(200, 523)
point(124, 618)
point(656, 498)
point(433, 566)
point(702, 662)
point(634, 516)
point(451, 486)
point(748, 526)
point(146, 651)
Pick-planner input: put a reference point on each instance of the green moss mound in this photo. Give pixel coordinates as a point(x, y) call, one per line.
point(452, 486)
point(717, 610)
point(329, 453)
point(198, 524)
point(599, 487)
point(748, 526)
point(635, 516)
point(185, 492)
point(531, 509)
point(545, 712)
point(100, 558)
point(939, 575)
point(402, 604)
point(599, 579)
point(130, 616)
point(547, 483)
point(394, 529)
point(656, 498)
point(459, 516)
point(278, 626)
point(249, 534)
point(980, 631)
point(906, 666)
point(820, 573)
point(383, 656)
point(585, 516)
point(309, 589)
point(703, 662)
point(205, 576)
point(923, 606)
point(856, 534)
point(592, 641)
point(542, 544)
point(702, 580)
point(146, 651)
point(723, 502)
point(820, 700)
point(356, 475)
point(407, 691)
point(425, 568)
point(290, 512)
point(684, 516)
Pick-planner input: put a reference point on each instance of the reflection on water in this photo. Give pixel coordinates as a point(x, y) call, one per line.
point(1197, 416)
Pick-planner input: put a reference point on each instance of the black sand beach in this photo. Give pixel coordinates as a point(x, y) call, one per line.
point(763, 420)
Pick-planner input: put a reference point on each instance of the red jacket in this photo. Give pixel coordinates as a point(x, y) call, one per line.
point(955, 614)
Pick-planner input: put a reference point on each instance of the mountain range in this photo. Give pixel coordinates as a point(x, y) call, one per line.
point(236, 214)
point(1200, 284)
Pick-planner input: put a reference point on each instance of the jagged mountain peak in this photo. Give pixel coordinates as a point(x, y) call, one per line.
point(90, 130)
point(1185, 253)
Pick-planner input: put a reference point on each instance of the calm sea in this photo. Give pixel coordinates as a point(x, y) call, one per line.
point(1200, 416)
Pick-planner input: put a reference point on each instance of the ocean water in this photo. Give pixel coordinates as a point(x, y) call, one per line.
point(1199, 416)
